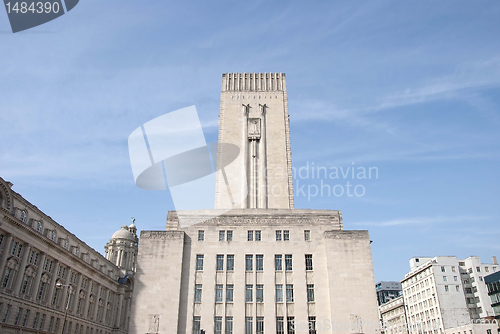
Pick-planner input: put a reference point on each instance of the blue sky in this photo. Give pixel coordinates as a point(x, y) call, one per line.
point(411, 88)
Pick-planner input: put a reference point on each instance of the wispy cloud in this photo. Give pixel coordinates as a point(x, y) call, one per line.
point(423, 220)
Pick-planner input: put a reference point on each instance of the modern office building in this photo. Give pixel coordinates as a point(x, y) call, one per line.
point(444, 293)
point(493, 283)
point(52, 280)
point(387, 290)
point(263, 266)
point(393, 316)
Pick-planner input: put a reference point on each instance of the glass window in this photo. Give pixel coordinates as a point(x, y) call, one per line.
point(286, 235)
point(288, 262)
point(199, 262)
point(218, 325)
point(229, 325)
point(257, 236)
point(280, 325)
point(250, 236)
point(229, 235)
point(312, 325)
point(218, 293)
point(457, 287)
point(248, 325)
point(307, 235)
point(278, 235)
point(249, 262)
point(279, 293)
point(196, 325)
point(278, 262)
point(443, 269)
point(201, 235)
point(259, 262)
point(230, 262)
point(229, 293)
point(289, 293)
point(310, 292)
point(309, 262)
point(197, 293)
point(222, 235)
point(220, 262)
point(445, 279)
point(259, 293)
point(291, 325)
point(249, 293)
point(478, 269)
point(260, 325)
point(446, 288)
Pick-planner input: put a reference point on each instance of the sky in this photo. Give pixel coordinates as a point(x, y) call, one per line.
point(410, 89)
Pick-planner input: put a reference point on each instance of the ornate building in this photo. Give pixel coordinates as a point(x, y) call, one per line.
point(263, 266)
point(52, 282)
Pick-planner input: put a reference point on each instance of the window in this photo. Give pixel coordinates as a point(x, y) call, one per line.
point(259, 262)
point(248, 293)
point(218, 325)
point(446, 288)
point(18, 316)
point(6, 315)
point(454, 269)
point(39, 227)
point(278, 235)
point(443, 269)
point(455, 278)
point(280, 325)
point(248, 325)
point(229, 235)
point(288, 262)
point(457, 287)
point(201, 235)
point(478, 269)
point(307, 235)
point(286, 235)
point(481, 278)
point(312, 325)
point(445, 279)
point(309, 262)
point(278, 262)
point(249, 262)
point(250, 236)
point(260, 325)
point(199, 262)
point(290, 325)
point(310, 292)
point(279, 293)
point(229, 293)
point(222, 235)
point(229, 325)
point(197, 293)
point(220, 262)
point(487, 269)
point(259, 293)
point(35, 319)
point(53, 235)
point(218, 293)
point(258, 236)
point(26, 318)
point(289, 293)
point(230, 262)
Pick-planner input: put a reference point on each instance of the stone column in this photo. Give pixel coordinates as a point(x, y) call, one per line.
point(52, 282)
point(5, 253)
point(38, 277)
point(96, 304)
point(105, 306)
point(118, 320)
point(22, 269)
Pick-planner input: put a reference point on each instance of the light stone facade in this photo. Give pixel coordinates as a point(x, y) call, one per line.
point(443, 293)
point(262, 267)
point(37, 254)
point(393, 315)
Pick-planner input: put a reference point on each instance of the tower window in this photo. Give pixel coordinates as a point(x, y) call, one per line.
point(259, 293)
point(218, 293)
point(257, 235)
point(199, 262)
point(288, 262)
point(229, 293)
point(220, 262)
point(230, 262)
point(222, 235)
point(289, 293)
point(259, 262)
point(309, 262)
point(279, 293)
point(286, 235)
point(249, 293)
point(197, 293)
point(250, 236)
point(201, 235)
point(278, 235)
point(249, 262)
point(229, 235)
point(310, 292)
point(307, 235)
point(278, 262)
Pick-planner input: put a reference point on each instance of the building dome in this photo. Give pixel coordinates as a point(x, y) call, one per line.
point(123, 233)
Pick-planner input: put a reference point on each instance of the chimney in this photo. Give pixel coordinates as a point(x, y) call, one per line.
point(494, 259)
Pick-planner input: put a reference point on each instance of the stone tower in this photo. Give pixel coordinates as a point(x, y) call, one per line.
point(122, 248)
point(254, 117)
point(263, 266)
